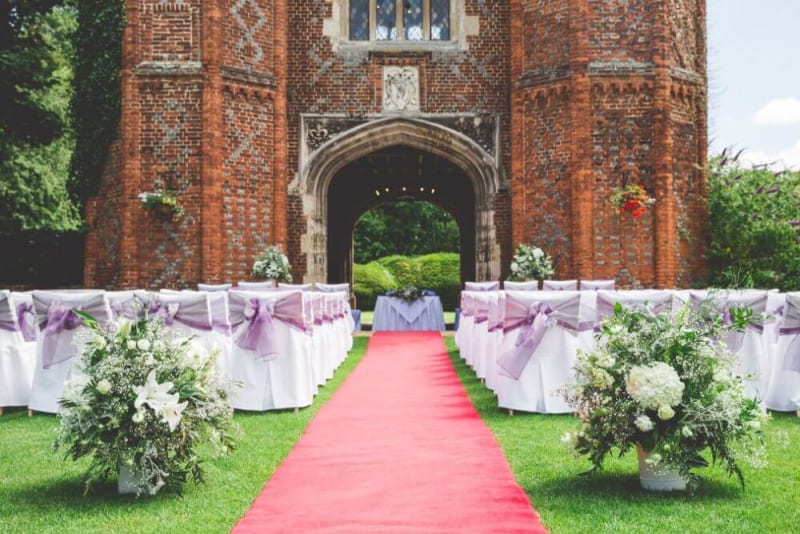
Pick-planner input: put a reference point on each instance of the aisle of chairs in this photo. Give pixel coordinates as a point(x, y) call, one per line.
point(523, 343)
point(278, 345)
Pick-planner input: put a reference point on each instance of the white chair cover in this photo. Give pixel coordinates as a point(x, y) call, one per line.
point(213, 287)
point(539, 350)
point(56, 345)
point(17, 356)
point(272, 351)
point(483, 304)
point(332, 288)
point(298, 287)
point(492, 341)
point(594, 285)
point(560, 285)
point(482, 286)
point(125, 304)
point(784, 388)
point(255, 286)
point(532, 285)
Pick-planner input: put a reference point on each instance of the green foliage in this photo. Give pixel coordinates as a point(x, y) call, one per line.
point(36, 137)
point(97, 101)
point(369, 281)
point(755, 225)
point(407, 228)
point(440, 272)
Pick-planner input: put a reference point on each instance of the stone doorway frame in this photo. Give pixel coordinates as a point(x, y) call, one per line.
point(323, 163)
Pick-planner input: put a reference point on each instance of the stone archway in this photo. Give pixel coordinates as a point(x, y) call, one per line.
point(479, 169)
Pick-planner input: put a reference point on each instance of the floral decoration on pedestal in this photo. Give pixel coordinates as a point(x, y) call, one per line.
point(272, 264)
point(531, 263)
point(668, 384)
point(141, 402)
point(407, 294)
point(632, 199)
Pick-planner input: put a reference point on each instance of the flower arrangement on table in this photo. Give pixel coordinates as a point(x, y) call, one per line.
point(666, 384)
point(272, 264)
point(530, 263)
point(163, 202)
point(139, 404)
point(632, 199)
point(407, 294)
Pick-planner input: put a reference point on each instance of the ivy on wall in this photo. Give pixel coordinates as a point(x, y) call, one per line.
point(96, 105)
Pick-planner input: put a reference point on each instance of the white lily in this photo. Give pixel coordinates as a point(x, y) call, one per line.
point(154, 394)
point(171, 413)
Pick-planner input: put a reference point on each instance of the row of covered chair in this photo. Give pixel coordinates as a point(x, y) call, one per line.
point(547, 285)
point(278, 345)
point(524, 343)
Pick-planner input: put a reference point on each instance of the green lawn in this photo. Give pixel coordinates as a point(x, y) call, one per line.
point(40, 492)
point(613, 501)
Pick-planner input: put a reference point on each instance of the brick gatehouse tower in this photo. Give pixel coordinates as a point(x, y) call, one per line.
point(282, 121)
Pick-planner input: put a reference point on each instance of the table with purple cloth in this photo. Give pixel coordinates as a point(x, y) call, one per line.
point(392, 313)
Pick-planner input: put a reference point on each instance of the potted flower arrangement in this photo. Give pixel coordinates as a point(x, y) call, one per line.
point(162, 202)
point(666, 385)
point(531, 263)
point(632, 199)
point(407, 294)
point(139, 404)
point(272, 264)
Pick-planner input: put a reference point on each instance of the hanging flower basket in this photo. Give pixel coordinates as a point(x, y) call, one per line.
point(163, 203)
point(633, 200)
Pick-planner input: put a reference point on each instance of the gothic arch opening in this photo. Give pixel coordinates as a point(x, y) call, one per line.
point(391, 174)
point(340, 179)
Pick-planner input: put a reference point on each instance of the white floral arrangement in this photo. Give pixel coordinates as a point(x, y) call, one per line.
point(531, 263)
point(272, 264)
point(143, 402)
point(667, 384)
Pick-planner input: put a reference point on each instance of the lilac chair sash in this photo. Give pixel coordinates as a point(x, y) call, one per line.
point(260, 314)
point(482, 286)
point(482, 308)
point(724, 301)
point(192, 312)
point(59, 318)
point(497, 312)
point(657, 302)
point(535, 319)
point(533, 285)
point(790, 326)
point(560, 285)
point(26, 317)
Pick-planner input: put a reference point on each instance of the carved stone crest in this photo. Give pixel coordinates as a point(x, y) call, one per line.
point(400, 88)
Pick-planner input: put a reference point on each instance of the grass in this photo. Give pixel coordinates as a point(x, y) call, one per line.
point(613, 500)
point(40, 492)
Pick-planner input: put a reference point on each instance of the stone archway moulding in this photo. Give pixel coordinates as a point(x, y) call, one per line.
point(317, 172)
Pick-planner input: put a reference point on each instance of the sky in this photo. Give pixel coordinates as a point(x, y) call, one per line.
point(754, 79)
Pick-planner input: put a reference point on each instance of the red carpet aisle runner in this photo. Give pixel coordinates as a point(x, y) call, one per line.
point(399, 448)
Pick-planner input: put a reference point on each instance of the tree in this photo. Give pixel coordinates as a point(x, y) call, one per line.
point(35, 134)
point(754, 216)
point(405, 228)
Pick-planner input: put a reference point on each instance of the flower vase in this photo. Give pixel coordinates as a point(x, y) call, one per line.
point(130, 480)
point(658, 477)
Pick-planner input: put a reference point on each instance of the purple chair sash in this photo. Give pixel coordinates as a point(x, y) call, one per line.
point(656, 302)
point(790, 326)
point(260, 315)
point(482, 308)
point(60, 318)
point(193, 313)
point(723, 302)
point(26, 318)
point(535, 320)
point(497, 313)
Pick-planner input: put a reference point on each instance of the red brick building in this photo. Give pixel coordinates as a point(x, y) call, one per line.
point(282, 121)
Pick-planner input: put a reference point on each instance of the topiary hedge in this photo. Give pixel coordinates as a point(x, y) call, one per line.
point(369, 281)
point(440, 272)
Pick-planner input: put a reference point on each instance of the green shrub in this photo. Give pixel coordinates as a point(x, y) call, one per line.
point(441, 272)
point(369, 281)
point(406, 270)
point(754, 218)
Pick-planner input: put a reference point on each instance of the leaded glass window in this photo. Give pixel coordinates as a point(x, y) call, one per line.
point(399, 20)
point(359, 20)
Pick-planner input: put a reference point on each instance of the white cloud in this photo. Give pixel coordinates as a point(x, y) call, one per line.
point(778, 111)
point(777, 160)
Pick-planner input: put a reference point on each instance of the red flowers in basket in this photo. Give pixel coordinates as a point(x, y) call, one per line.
point(632, 199)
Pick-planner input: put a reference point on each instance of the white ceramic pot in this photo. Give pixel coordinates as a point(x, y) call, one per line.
point(658, 477)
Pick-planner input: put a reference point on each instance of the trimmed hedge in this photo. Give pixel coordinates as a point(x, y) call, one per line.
point(369, 281)
point(440, 272)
